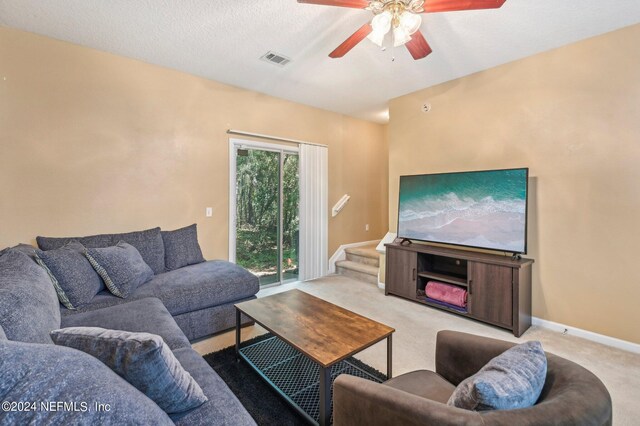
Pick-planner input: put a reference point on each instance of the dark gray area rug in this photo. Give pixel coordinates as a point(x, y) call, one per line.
point(264, 403)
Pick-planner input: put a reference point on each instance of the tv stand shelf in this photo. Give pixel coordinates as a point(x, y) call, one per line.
point(443, 278)
point(498, 287)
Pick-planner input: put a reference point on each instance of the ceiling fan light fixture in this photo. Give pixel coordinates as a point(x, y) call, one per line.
point(382, 23)
point(377, 37)
point(400, 36)
point(410, 22)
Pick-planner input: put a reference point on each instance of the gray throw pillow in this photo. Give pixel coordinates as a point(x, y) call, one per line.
point(513, 379)
point(142, 359)
point(181, 247)
point(29, 307)
point(149, 244)
point(121, 267)
point(75, 281)
point(2, 335)
point(49, 375)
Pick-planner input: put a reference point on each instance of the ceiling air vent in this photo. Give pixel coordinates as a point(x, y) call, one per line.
point(276, 58)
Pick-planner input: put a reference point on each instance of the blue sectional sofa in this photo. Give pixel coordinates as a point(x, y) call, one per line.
point(180, 305)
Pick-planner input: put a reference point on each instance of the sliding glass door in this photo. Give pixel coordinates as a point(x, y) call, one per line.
point(265, 210)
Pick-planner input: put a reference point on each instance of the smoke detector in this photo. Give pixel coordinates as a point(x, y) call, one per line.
point(426, 107)
point(275, 58)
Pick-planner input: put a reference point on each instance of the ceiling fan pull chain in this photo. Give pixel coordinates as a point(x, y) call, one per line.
point(393, 47)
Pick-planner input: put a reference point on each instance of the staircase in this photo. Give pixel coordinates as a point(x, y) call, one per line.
point(362, 264)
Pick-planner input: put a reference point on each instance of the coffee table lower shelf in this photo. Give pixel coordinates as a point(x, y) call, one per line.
point(294, 376)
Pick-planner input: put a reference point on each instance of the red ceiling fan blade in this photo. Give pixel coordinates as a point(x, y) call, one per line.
point(351, 42)
point(357, 4)
point(431, 6)
point(418, 46)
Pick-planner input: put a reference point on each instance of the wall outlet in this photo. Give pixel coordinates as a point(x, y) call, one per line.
point(366, 227)
point(209, 212)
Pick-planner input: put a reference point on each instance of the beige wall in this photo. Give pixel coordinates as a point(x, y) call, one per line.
point(571, 115)
point(93, 142)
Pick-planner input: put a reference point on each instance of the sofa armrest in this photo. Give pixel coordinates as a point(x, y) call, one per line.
point(358, 401)
point(460, 355)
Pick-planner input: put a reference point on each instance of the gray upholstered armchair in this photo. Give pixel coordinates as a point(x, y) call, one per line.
point(571, 395)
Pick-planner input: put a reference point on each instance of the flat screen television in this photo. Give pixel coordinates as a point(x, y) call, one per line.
point(482, 209)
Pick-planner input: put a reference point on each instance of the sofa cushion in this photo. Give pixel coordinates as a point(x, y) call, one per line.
point(2, 335)
point(425, 384)
point(52, 375)
point(149, 244)
point(201, 286)
point(181, 248)
point(147, 315)
point(513, 379)
point(207, 321)
point(104, 299)
point(142, 359)
point(29, 307)
point(222, 408)
point(52, 243)
point(121, 267)
point(27, 249)
point(73, 277)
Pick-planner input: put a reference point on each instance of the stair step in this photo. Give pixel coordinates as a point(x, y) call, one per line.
point(362, 263)
point(367, 255)
point(358, 267)
point(365, 251)
point(364, 260)
point(357, 275)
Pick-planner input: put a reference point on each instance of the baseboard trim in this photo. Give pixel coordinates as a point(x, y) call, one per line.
point(341, 255)
point(589, 335)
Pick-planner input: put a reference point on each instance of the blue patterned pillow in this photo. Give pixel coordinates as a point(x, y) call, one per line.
point(121, 267)
point(181, 247)
point(142, 359)
point(73, 277)
point(513, 379)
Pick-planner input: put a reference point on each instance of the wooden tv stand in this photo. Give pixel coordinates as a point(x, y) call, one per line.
point(499, 288)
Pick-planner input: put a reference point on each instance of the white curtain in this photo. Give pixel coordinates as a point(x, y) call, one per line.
point(313, 211)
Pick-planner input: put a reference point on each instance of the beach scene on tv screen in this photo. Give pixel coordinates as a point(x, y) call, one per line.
point(480, 209)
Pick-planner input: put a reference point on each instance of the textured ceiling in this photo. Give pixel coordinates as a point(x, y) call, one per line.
point(223, 40)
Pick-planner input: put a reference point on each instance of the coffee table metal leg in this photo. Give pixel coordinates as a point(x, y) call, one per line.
point(389, 358)
point(325, 395)
point(238, 328)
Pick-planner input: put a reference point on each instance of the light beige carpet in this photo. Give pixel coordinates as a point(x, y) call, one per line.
point(416, 327)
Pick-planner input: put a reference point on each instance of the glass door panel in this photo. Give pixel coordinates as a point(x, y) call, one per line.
point(258, 240)
point(290, 217)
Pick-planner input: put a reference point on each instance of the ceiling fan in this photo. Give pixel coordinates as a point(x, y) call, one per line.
point(401, 18)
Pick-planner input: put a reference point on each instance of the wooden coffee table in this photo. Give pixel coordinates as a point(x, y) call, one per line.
point(322, 332)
